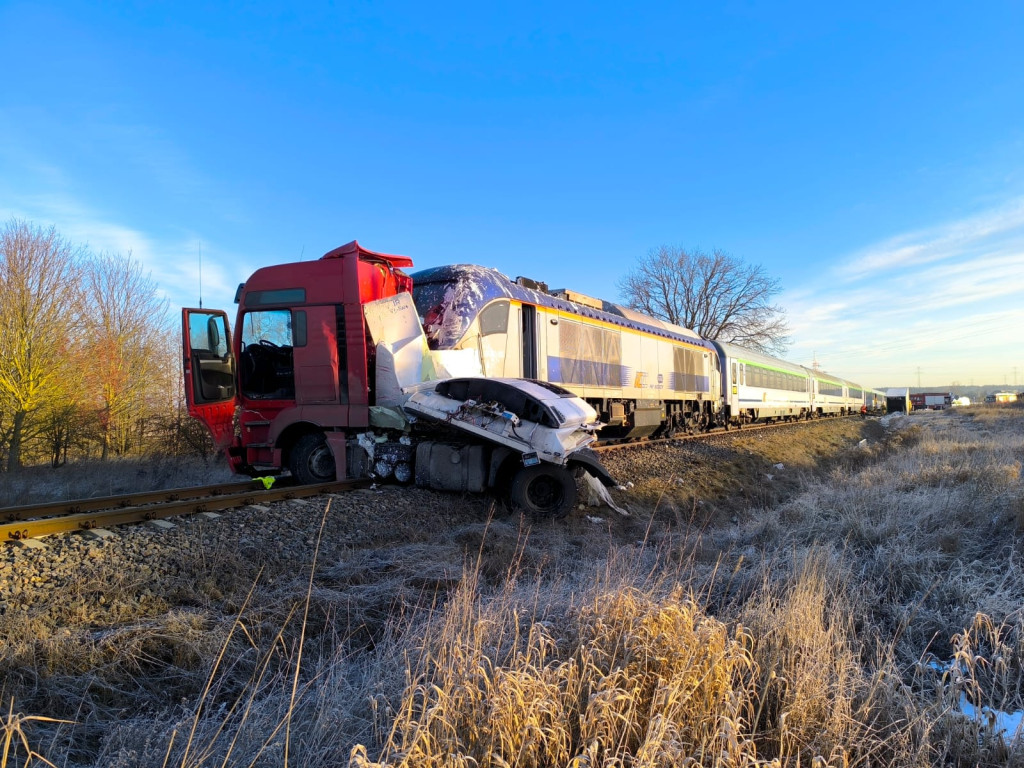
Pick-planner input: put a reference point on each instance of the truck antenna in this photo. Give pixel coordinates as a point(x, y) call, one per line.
point(200, 274)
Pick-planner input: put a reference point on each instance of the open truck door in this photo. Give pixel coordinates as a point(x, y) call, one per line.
point(210, 389)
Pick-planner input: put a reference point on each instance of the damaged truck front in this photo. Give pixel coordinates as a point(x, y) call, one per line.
point(329, 376)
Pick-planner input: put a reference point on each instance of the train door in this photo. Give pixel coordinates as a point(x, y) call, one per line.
point(549, 346)
point(513, 345)
point(529, 337)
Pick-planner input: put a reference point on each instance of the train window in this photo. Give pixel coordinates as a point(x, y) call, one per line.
point(494, 318)
point(734, 381)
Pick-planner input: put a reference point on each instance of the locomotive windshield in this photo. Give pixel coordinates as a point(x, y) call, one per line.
point(444, 316)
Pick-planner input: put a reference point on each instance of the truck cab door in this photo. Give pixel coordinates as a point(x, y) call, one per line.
point(209, 367)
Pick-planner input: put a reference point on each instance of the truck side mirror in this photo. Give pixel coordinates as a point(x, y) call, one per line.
point(213, 333)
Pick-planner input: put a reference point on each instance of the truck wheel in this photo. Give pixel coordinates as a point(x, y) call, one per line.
point(311, 460)
point(544, 491)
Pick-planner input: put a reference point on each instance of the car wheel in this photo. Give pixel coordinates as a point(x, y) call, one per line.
point(544, 490)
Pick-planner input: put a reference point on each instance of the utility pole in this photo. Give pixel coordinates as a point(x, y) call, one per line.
point(919, 377)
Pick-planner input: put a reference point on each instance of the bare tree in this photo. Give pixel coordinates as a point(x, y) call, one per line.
point(715, 294)
point(124, 330)
point(39, 287)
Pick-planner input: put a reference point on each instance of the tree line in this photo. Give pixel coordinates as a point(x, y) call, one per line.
point(88, 356)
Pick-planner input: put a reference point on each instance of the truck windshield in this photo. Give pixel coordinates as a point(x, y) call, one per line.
point(266, 369)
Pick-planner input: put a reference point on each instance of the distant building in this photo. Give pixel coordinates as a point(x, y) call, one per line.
point(897, 399)
point(1001, 397)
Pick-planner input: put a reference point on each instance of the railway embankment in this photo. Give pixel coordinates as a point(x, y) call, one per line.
point(830, 590)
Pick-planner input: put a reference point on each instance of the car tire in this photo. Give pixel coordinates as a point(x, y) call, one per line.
point(544, 490)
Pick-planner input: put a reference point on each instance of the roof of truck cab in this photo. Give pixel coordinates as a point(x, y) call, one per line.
point(355, 249)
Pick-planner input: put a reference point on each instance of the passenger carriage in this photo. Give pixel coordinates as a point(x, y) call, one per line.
point(829, 394)
point(759, 387)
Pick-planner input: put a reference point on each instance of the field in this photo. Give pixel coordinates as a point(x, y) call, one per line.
point(846, 592)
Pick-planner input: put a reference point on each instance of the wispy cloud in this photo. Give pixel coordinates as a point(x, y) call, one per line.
point(43, 182)
point(945, 300)
point(173, 262)
point(955, 239)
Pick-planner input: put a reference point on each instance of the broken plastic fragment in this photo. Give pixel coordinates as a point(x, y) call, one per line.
point(598, 495)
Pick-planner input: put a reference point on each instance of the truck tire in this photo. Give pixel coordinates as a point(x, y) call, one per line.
point(544, 490)
point(311, 460)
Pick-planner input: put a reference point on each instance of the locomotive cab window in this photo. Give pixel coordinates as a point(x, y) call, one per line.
point(266, 368)
point(493, 339)
point(494, 318)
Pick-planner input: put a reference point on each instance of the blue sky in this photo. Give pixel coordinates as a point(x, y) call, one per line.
point(870, 157)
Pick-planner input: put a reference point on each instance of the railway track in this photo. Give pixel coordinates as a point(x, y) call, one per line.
point(36, 520)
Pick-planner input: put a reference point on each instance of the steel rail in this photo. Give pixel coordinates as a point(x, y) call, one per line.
point(82, 521)
point(72, 506)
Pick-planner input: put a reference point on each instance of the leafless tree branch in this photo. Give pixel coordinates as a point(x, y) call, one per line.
point(714, 294)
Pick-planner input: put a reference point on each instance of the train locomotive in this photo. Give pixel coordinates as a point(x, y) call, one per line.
point(644, 377)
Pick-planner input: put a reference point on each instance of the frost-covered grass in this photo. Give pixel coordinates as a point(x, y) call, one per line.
point(854, 624)
point(85, 480)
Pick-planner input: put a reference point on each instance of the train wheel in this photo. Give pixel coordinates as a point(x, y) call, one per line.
point(311, 460)
point(544, 490)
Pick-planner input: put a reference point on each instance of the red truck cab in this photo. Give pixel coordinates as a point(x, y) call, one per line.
point(297, 374)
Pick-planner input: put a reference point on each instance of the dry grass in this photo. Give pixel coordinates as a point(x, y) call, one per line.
point(841, 627)
point(35, 485)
